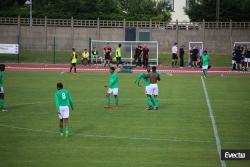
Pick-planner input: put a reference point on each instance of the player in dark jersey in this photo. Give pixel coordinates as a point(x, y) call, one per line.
point(107, 55)
point(137, 55)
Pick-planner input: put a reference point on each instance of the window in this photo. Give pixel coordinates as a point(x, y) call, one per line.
point(171, 3)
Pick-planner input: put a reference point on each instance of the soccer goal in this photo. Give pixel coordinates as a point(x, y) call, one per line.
point(128, 49)
point(245, 45)
point(198, 45)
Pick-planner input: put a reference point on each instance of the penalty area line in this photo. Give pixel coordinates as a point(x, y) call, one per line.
point(215, 130)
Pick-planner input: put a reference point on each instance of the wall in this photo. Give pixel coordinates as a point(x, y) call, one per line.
point(42, 38)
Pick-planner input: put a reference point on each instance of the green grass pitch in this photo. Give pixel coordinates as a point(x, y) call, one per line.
point(179, 134)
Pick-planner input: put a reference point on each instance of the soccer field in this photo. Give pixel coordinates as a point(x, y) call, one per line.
point(179, 134)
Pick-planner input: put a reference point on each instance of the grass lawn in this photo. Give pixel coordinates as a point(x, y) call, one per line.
point(179, 134)
point(27, 56)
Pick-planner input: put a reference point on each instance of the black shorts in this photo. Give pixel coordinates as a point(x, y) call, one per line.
point(174, 56)
point(194, 57)
point(238, 60)
point(73, 64)
point(107, 56)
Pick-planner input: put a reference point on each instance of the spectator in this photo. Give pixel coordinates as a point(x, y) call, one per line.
point(194, 56)
point(118, 55)
point(174, 55)
point(145, 53)
point(181, 53)
point(238, 57)
point(85, 57)
point(94, 55)
point(247, 59)
point(234, 59)
point(107, 55)
point(137, 55)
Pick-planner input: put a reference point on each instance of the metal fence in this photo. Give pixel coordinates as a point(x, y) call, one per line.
point(120, 24)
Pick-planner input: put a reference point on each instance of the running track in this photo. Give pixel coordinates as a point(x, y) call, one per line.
point(100, 69)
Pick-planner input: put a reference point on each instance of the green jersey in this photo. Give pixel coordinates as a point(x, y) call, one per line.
point(63, 98)
point(113, 80)
point(205, 59)
point(1, 78)
point(147, 79)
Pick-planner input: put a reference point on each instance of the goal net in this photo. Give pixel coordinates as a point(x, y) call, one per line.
point(127, 49)
point(192, 45)
point(244, 45)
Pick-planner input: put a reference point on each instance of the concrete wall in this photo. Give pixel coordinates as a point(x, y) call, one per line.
point(42, 38)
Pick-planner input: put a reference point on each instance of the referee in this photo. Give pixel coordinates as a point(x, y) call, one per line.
point(174, 55)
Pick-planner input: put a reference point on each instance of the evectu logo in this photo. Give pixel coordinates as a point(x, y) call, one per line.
point(235, 154)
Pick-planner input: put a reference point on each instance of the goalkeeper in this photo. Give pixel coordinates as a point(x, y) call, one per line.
point(150, 100)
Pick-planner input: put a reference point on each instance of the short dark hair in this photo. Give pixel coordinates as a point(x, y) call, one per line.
point(205, 51)
point(119, 44)
point(112, 68)
point(154, 68)
point(59, 85)
point(2, 67)
point(73, 49)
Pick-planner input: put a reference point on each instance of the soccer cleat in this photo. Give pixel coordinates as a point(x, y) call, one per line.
point(61, 134)
point(66, 133)
point(4, 110)
point(107, 106)
point(149, 108)
point(156, 108)
point(116, 107)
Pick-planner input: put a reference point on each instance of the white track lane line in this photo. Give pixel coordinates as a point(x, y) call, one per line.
point(215, 130)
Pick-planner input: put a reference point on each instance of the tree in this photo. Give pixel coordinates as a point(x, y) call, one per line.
point(90, 9)
point(236, 10)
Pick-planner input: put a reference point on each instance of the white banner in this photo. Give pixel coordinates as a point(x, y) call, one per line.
point(9, 48)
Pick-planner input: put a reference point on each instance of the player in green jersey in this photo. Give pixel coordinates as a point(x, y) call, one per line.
point(63, 102)
point(112, 88)
point(150, 100)
point(2, 69)
point(205, 63)
point(154, 76)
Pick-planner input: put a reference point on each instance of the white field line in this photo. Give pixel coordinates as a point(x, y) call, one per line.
point(111, 136)
point(215, 130)
point(122, 137)
point(56, 68)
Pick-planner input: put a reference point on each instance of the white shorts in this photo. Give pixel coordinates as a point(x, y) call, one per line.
point(1, 90)
point(113, 91)
point(205, 67)
point(247, 60)
point(63, 112)
point(233, 62)
point(154, 89)
point(148, 90)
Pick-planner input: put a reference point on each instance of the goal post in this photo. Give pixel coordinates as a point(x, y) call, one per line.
point(128, 49)
point(245, 45)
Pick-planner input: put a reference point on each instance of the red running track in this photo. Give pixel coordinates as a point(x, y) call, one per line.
point(101, 69)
